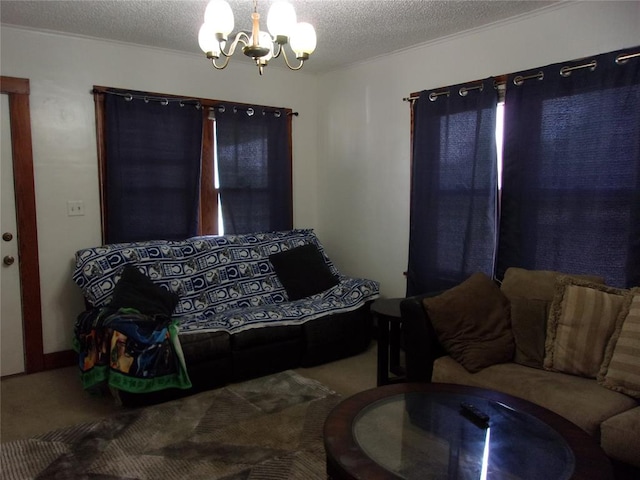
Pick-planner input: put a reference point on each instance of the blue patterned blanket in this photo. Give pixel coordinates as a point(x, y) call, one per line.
point(225, 283)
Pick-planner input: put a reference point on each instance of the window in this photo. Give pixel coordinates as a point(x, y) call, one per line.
point(571, 180)
point(453, 187)
point(568, 179)
point(171, 167)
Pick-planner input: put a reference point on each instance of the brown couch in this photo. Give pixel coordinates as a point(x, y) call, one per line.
point(522, 338)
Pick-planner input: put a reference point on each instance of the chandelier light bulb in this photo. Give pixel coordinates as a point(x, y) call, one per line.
point(220, 17)
point(303, 40)
point(281, 19)
point(207, 40)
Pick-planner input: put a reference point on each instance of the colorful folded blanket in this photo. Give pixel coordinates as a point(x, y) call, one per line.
point(129, 351)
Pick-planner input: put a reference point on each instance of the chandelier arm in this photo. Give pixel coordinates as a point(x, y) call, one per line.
point(220, 67)
point(280, 48)
point(286, 60)
point(241, 37)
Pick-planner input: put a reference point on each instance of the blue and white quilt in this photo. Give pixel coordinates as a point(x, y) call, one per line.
point(225, 283)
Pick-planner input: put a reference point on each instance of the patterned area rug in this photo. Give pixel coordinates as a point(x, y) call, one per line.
point(267, 428)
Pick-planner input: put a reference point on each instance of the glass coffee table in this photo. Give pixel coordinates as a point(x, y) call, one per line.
point(443, 431)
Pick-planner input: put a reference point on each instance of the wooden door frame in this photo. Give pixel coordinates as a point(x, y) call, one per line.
point(18, 90)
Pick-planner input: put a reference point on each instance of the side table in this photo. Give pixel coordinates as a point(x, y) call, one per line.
point(389, 320)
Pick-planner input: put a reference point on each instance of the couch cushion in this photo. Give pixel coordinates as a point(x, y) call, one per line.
point(303, 271)
point(265, 336)
point(583, 317)
point(471, 321)
point(531, 293)
point(350, 294)
point(201, 347)
point(620, 370)
point(136, 290)
point(580, 400)
point(336, 336)
point(537, 284)
point(620, 436)
point(529, 327)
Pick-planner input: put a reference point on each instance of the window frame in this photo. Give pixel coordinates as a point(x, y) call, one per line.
point(208, 204)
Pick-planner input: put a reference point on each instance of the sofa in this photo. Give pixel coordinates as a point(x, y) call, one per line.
point(566, 342)
point(227, 307)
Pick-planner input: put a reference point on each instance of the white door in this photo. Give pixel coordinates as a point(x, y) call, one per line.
point(11, 332)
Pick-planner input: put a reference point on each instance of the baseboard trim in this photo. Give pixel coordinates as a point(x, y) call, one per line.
point(65, 358)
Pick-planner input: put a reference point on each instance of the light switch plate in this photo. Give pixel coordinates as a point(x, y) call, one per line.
point(75, 208)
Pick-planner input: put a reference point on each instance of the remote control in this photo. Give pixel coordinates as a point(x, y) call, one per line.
point(475, 414)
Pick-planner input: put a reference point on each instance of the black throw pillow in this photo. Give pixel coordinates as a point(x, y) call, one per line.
point(136, 290)
point(303, 271)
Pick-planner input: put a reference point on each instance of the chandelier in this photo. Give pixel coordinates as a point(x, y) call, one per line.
point(257, 44)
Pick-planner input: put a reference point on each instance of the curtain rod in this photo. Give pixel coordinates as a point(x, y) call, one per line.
point(152, 98)
point(128, 96)
point(198, 103)
point(251, 111)
point(621, 59)
point(462, 91)
point(520, 79)
point(565, 71)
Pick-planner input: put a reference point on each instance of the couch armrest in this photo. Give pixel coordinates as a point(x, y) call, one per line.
point(421, 344)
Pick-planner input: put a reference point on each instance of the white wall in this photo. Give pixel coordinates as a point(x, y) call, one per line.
point(62, 71)
point(364, 130)
point(351, 140)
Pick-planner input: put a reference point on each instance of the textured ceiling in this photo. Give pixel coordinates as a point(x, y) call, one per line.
point(348, 30)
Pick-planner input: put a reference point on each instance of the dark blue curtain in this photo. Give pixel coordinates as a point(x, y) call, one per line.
point(254, 169)
point(571, 175)
point(453, 188)
point(152, 169)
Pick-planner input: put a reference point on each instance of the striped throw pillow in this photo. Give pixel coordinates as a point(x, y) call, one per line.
point(621, 368)
point(582, 319)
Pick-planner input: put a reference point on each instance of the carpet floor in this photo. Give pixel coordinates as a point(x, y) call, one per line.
point(266, 428)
